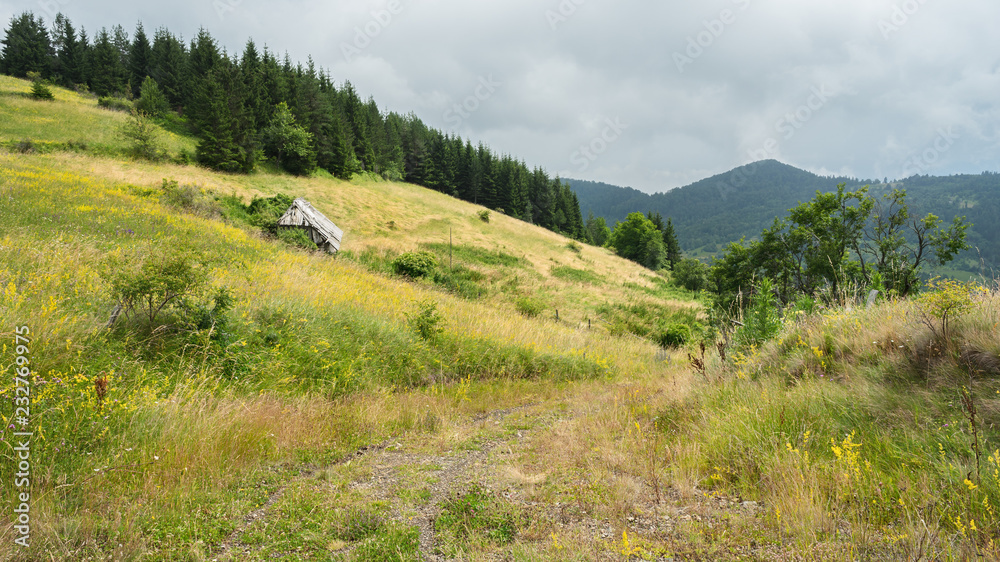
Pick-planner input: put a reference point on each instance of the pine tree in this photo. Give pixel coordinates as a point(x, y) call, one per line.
point(167, 61)
point(217, 149)
point(67, 67)
point(26, 47)
point(139, 59)
point(670, 244)
point(105, 69)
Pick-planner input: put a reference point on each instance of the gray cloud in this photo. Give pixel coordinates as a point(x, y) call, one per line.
point(702, 87)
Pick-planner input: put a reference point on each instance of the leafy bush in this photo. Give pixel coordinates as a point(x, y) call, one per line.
point(190, 198)
point(264, 212)
point(484, 215)
point(415, 264)
point(945, 300)
point(691, 274)
point(296, 237)
point(673, 336)
point(574, 247)
point(165, 279)
point(528, 306)
point(426, 321)
point(115, 104)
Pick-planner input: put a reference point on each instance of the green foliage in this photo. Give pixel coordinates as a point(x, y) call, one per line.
point(476, 517)
point(637, 239)
point(673, 336)
point(165, 279)
point(143, 135)
point(426, 321)
point(151, 100)
point(529, 306)
point(691, 274)
point(484, 216)
point(26, 46)
point(288, 143)
point(598, 230)
point(39, 89)
point(461, 281)
point(264, 212)
point(116, 104)
point(670, 244)
point(296, 237)
point(838, 240)
point(761, 321)
point(190, 198)
point(946, 300)
point(415, 264)
point(574, 247)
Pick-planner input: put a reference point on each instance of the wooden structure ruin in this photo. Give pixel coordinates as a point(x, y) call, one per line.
point(321, 230)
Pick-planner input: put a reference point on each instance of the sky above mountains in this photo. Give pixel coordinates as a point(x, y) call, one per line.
point(642, 94)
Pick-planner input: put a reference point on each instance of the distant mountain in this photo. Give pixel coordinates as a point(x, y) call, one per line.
point(710, 213)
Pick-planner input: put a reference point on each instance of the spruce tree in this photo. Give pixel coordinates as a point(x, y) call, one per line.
point(139, 60)
point(670, 244)
point(106, 72)
point(167, 60)
point(26, 47)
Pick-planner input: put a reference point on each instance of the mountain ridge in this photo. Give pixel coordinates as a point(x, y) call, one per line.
point(710, 213)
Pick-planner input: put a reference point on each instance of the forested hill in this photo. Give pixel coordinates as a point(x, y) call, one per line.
point(254, 106)
point(710, 213)
point(717, 210)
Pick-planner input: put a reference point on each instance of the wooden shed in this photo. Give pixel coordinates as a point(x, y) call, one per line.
point(320, 229)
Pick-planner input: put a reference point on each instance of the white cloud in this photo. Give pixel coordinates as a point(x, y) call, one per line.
point(901, 69)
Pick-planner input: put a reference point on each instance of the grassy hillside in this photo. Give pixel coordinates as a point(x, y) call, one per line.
point(298, 406)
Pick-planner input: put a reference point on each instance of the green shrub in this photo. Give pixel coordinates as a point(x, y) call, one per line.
point(673, 336)
point(142, 133)
point(115, 104)
point(574, 247)
point(484, 215)
point(41, 91)
point(296, 237)
point(691, 274)
point(426, 321)
point(415, 264)
point(528, 306)
point(167, 279)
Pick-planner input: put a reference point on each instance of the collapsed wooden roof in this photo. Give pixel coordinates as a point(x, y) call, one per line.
point(320, 229)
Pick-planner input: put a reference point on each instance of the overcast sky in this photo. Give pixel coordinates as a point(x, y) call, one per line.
point(652, 95)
